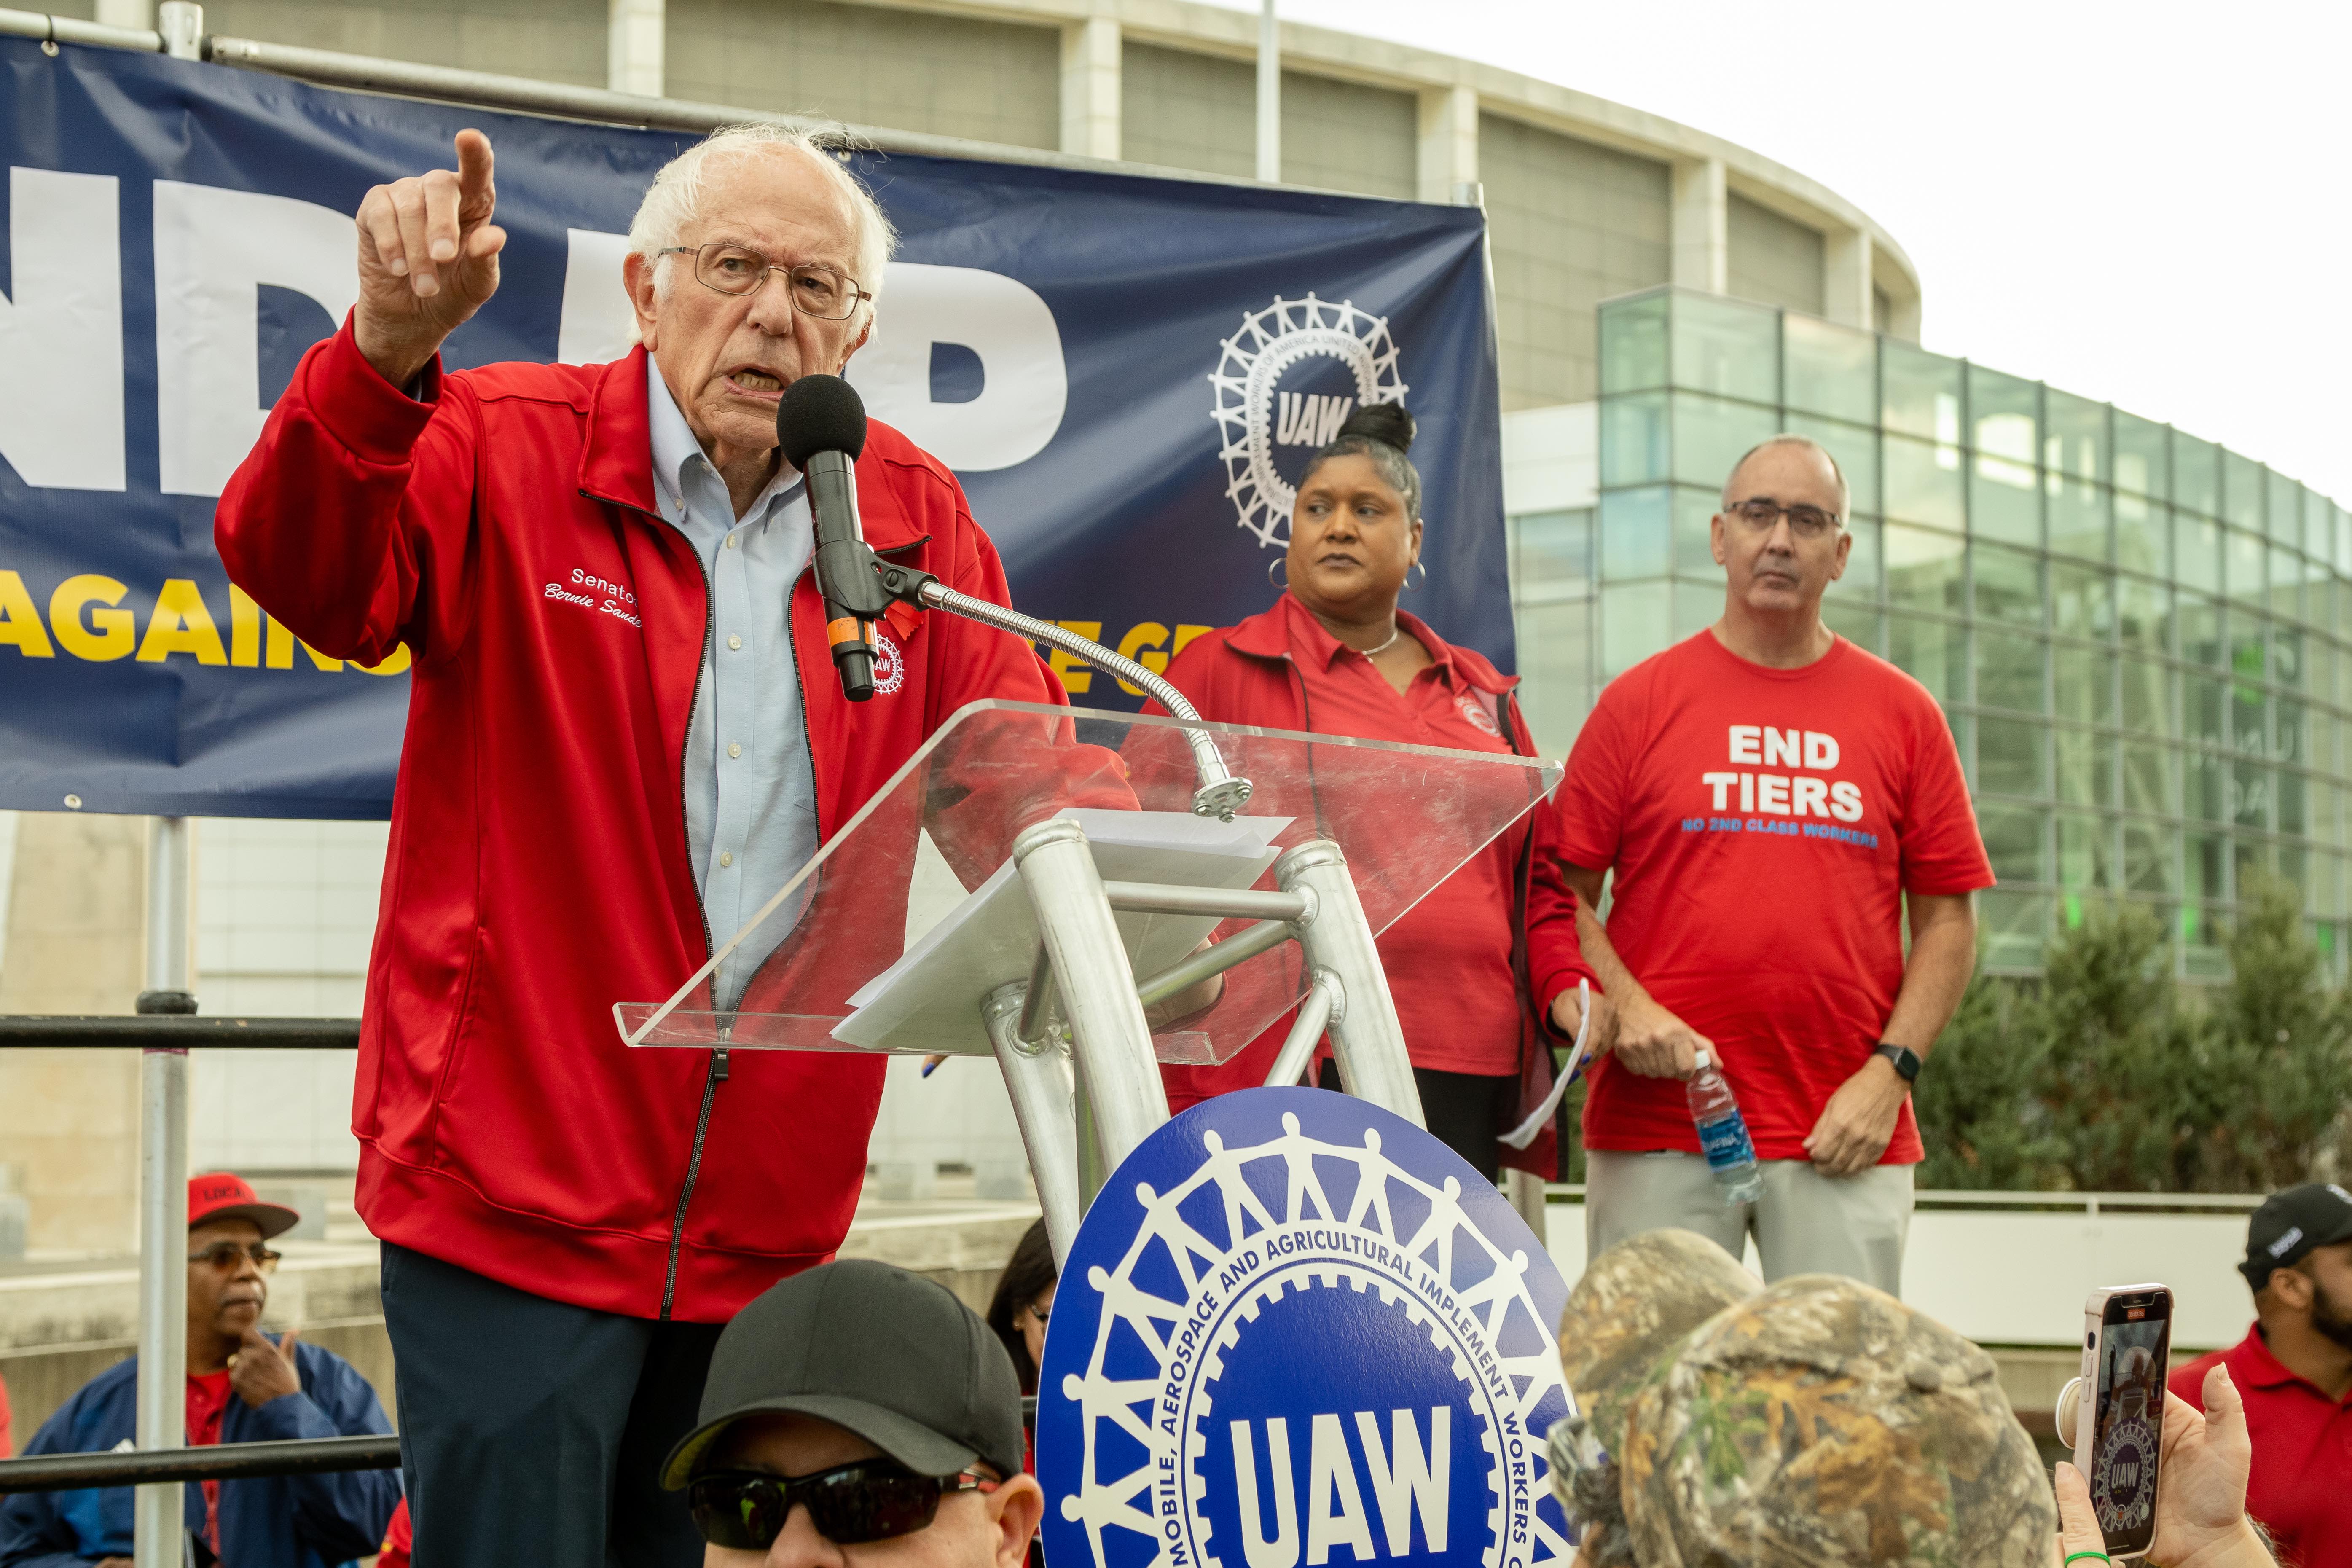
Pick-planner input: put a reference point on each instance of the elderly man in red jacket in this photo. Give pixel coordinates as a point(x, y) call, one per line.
point(625, 734)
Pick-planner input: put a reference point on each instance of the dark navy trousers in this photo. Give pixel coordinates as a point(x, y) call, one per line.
point(532, 1432)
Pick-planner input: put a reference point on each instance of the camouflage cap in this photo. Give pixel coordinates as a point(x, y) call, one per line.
point(1634, 1301)
point(1823, 1423)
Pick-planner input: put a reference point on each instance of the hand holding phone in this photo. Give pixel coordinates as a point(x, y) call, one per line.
point(2119, 1434)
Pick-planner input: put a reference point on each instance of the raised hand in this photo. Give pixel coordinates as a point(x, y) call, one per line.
point(261, 1372)
point(428, 260)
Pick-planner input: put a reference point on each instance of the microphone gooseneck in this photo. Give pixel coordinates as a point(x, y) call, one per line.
point(821, 425)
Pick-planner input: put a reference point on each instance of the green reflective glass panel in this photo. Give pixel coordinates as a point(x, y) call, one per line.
point(2004, 429)
point(2286, 655)
point(2203, 931)
point(2012, 840)
point(2241, 491)
point(1862, 561)
point(1924, 569)
point(1552, 553)
point(2318, 526)
point(2085, 764)
point(1634, 344)
point(2197, 552)
point(2204, 708)
point(2286, 573)
point(1855, 620)
point(2013, 927)
point(1935, 654)
point(1919, 393)
point(2009, 672)
point(2250, 793)
point(1830, 369)
point(2343, 545)
point(2009, 756)
point(1711, 434)
point(2206, 776)
point(2283, 510)
point(2074, 438)
point(1555, 645)
point(2148, 697)
point(1635, 624)
point(2291, 801)
point(1695, 535)
point(2242, 558)
point(2249, 658)
point(2196, 630)
point(2082, 683)
point(2087, 853)
point(2008, 585)
point(2143, 534)
point(2151, 779)
point(1636, 533)
point(2143, 614)
point(1697, 606)
point(1923, 482)
point(2141, 463)
point(2250, 721)
point(2196, 474)
point(1724, 346)
point(1636, 445)
point(2254, 860)
point(2078, 518)
point(2082, 600)
point(2287, 737)
point(2147, 858)
point(2205, 865)
point(1855, 447)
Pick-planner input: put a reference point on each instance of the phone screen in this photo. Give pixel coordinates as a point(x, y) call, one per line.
point(2135, 1342)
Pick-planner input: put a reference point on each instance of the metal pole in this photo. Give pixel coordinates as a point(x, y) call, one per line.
point(1325, 1005)
point(1117, 1069)
point(1038, 1079)
point(181, 24)
point(1269, 97)
point(157, 1521)
point(1367, 1041)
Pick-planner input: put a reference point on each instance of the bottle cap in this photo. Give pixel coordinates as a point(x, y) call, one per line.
point(1703, 1061)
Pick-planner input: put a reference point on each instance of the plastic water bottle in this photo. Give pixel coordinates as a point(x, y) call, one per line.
point(1722, 1134)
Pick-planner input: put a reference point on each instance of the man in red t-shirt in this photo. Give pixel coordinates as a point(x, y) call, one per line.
point(2293, 1368)
point(1770, 800)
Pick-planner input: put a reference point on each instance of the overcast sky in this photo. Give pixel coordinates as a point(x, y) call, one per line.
point(2145, 203)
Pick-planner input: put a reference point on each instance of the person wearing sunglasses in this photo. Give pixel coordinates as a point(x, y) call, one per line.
point(244, 1386)
point(1775, 805)
point(858, 1412)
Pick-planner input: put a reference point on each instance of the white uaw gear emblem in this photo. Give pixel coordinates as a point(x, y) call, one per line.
point(889, 664)
point(1218, 1428)
point(1247, 379)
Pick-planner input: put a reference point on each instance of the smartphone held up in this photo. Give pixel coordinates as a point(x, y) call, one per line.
point(2113, 1414)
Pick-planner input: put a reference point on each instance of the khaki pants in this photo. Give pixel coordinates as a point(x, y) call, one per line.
point(1805, 1222)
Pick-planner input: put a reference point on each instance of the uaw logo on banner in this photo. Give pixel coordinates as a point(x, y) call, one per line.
point(1294, 1324)
point(1285, 383)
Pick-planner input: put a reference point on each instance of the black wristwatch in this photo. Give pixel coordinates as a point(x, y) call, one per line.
point(1905, 1060)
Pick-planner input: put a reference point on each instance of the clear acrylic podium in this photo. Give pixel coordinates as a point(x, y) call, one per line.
point(1038, 884)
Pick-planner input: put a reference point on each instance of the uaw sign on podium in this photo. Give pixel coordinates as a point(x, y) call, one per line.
point(1291, 1325)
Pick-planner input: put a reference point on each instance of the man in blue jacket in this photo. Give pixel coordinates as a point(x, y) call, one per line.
point(243, 1387)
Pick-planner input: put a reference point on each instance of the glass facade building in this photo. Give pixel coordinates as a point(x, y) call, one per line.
point(2143, 642)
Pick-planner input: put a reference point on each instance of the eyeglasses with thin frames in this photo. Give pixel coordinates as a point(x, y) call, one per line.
point(815, 290)
point(1761, 512)
point(222, 1257)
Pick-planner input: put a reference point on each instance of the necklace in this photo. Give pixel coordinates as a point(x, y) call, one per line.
point(1394, 633)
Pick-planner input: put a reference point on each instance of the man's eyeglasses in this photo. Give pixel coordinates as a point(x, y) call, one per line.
point(873, 1499)
point(222, 1257)
point(818, 291)
point(1804, 521)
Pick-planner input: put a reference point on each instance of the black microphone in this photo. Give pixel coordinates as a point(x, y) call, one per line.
point(821, 424)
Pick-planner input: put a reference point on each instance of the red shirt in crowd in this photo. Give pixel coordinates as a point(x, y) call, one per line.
point(208, 1397)
point(398, 1540)
point(1763, 826)
point(2302, 1451)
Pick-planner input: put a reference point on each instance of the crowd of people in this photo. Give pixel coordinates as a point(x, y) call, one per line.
point(582, 1246)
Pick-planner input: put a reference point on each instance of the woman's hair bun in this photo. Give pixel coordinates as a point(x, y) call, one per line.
point(1387, 422)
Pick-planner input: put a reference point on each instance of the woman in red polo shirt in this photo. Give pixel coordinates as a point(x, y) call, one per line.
point(1336, 657)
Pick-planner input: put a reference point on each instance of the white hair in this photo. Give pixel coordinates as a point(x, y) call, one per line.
point(674, 199)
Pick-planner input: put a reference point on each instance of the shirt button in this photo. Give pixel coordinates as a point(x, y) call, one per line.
point(727, 858)
point(734, 748)
point(730, 541)
point(733, 641)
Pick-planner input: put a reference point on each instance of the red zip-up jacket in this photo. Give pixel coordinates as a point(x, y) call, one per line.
point(538, 870)
point(1243, 674)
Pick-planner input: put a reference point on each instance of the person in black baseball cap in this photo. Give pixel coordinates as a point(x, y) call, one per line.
point(858, 1405)
point(2293, 1370)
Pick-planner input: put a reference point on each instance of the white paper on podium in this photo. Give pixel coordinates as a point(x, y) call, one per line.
point(930, 999)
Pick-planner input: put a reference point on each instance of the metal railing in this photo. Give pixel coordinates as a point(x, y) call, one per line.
point(223, 1462)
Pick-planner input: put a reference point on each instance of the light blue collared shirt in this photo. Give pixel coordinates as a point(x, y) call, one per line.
point(751, 786)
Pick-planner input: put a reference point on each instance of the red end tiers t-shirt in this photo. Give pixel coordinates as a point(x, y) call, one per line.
point(1763, 826)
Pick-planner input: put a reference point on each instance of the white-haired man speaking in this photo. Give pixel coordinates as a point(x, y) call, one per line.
point(625, 734)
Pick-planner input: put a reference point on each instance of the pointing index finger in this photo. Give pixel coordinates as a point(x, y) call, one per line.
point(476, 193)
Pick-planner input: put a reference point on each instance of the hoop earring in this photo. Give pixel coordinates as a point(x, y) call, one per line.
point(1271, 566)
point(1408, 584)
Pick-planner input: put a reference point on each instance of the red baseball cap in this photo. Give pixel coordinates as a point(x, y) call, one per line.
point(223, 1196)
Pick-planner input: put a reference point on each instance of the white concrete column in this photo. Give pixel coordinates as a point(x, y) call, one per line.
point(1449, 143)
point(1269, 95)
point(138, 14)
point(1846, 277)
point(1091, 56)
point(1701, 227)
point(633, 50)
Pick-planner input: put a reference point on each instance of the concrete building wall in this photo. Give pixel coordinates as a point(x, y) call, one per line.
point(914, 70)
point(1349, 136)
point(556, 41)
point(1186, 111)
point(1571, 223)
point(1774, 260)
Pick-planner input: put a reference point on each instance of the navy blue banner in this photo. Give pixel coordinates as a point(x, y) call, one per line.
point(1128, 375)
